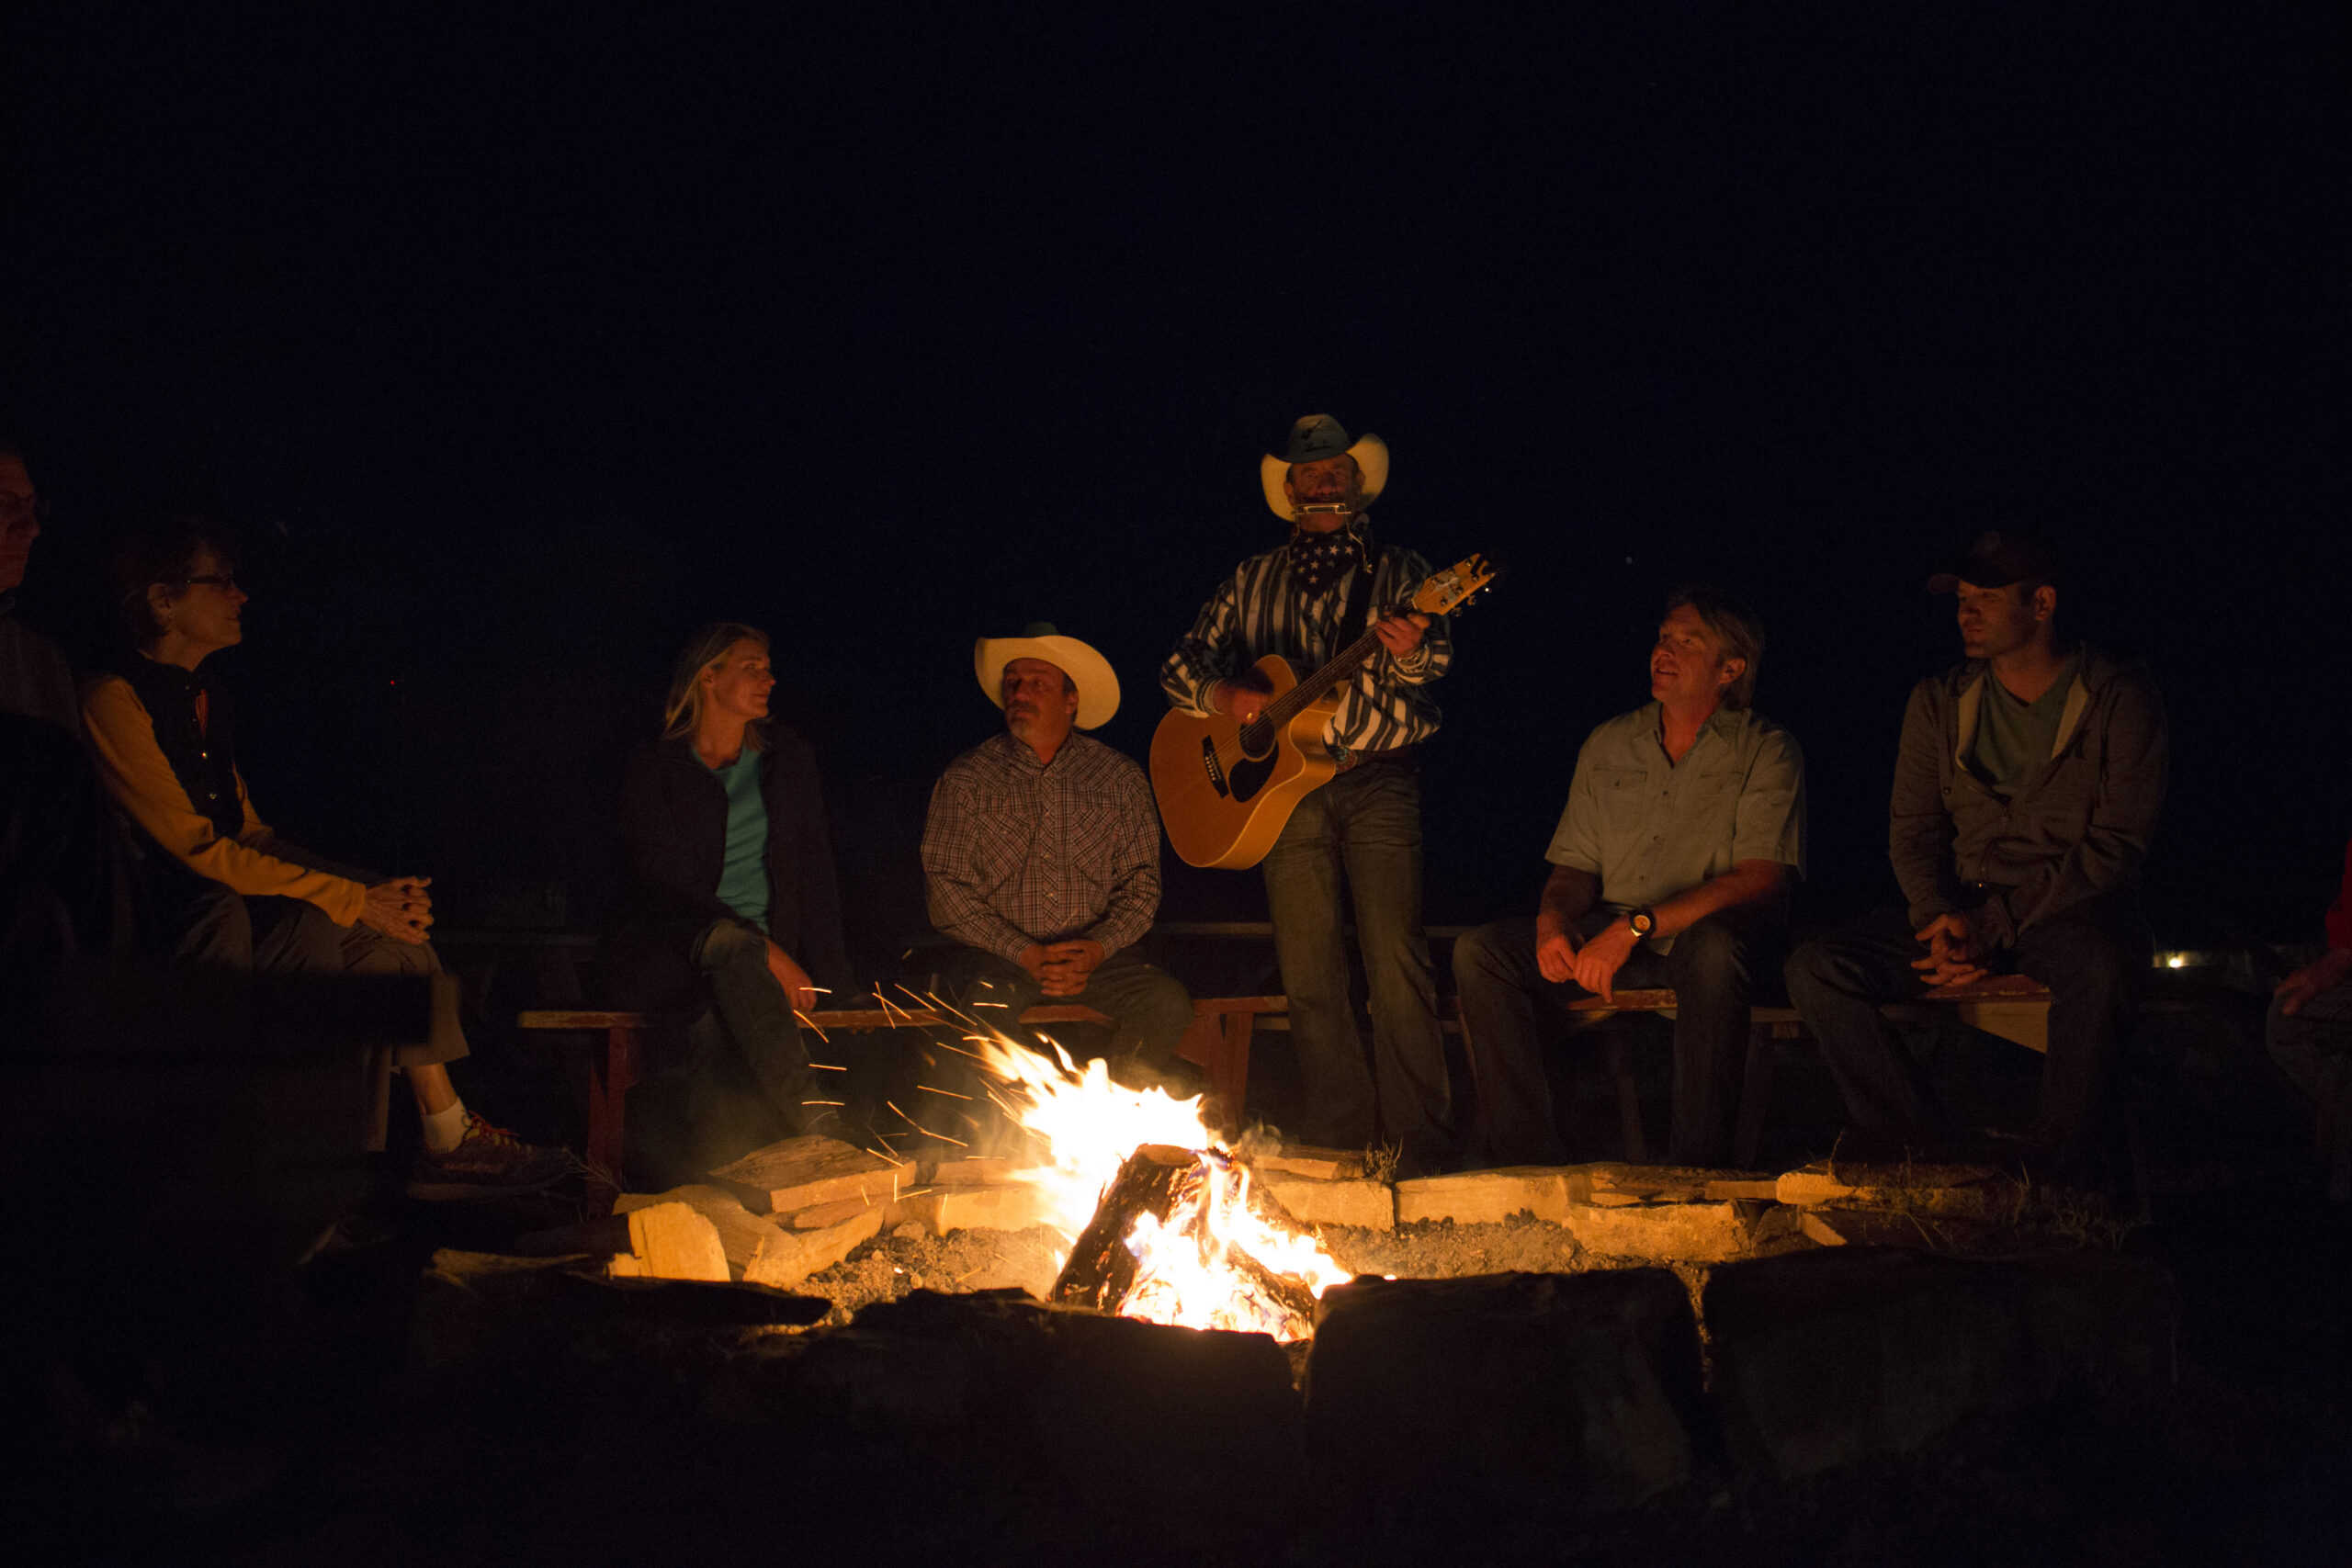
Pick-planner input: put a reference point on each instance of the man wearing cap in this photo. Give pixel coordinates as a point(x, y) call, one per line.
point(2026, 788)
point(1306, 601)
point(1041, 857)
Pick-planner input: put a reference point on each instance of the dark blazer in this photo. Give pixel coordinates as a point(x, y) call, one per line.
point(673, 831)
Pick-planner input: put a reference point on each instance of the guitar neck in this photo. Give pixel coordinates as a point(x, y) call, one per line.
point(1282, 709)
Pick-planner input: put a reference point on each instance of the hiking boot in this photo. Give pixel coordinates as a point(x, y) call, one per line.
point(489, 1162)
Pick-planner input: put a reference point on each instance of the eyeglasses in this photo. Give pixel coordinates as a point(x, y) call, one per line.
point(224, 581)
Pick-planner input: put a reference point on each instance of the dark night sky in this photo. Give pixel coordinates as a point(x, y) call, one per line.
point(522, 342)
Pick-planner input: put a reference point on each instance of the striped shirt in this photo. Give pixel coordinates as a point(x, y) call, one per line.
point(1255, 611)
point(1016, 852)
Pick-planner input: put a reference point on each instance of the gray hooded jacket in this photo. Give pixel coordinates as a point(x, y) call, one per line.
point(2077, 827)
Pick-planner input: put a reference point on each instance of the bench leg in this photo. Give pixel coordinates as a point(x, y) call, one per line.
point(1755, 1097)
point(609, 1082)
point(1219, 1043)
point(1231, 1081)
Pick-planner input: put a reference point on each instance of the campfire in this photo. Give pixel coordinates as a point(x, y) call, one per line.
point(1160, 1217)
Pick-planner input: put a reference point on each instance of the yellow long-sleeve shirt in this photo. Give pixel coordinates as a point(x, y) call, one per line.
point(135, 774)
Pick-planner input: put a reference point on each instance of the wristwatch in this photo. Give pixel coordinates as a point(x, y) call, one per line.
point(1643, 922)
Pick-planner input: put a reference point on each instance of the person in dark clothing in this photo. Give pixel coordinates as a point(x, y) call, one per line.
point(2309, 1035)
point(733, 913)
point(2026, 788)
point(62, 888)
point(221, 891)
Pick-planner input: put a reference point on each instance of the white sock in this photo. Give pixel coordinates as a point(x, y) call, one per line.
point(444, 1130)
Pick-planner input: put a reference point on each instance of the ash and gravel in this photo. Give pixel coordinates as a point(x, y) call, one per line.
point(910, 1258)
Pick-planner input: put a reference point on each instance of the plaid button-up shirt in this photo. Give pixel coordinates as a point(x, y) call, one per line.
point(1016, 852)
point(1255, 611)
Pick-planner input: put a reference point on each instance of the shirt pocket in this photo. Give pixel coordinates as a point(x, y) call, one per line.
point(1000, 841)
point(1623, 795)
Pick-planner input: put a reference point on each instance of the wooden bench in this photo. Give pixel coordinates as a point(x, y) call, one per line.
point(2010, 1006)
point(2014, 1007)
point(1217, 1042)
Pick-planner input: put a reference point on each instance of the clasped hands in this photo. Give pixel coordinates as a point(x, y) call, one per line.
point(401, 908)
point(1062, 968)
point(1951, 958)
point(2323, 974)
point(1592, 964)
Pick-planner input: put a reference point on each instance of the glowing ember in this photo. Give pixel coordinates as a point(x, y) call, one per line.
point(1213, 1261)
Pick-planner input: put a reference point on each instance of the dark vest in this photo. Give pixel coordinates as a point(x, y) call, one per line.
point(203, 757)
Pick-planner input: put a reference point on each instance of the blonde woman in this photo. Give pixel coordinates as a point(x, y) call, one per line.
point(733, 912)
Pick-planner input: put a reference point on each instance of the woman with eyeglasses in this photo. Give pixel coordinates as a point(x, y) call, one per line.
point(222, 890)
point(734, 914)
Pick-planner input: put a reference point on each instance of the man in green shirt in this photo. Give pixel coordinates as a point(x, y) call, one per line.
point(2027, 787)
point(1685, 823)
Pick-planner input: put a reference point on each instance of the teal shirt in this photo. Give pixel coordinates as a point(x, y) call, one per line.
point(743, 875)
point(2013, 738)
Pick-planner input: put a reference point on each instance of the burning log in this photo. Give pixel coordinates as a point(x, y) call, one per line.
point(1102, 1269)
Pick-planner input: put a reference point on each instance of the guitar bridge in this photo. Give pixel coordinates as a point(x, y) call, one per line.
point(1215, 772)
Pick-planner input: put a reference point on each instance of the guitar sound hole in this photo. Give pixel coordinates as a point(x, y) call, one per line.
point(1257, 739)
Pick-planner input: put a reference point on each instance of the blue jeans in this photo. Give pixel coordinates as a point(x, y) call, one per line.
point(1712, 970)
point(747, 1068)
point(1366, 824)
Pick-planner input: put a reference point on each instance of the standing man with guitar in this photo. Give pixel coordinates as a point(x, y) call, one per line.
point(1306, 602)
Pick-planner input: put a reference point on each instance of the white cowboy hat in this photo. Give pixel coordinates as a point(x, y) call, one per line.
point(1313, 438)
point(1098, 684)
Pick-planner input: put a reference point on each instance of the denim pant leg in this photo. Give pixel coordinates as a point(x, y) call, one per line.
point(1494, 976)
point(1836, 983)
point(1380, 843)
point(1150, 1007)
point(2095, 960)
point(1713, 968)
point(755, 1018)
point(1301, 874)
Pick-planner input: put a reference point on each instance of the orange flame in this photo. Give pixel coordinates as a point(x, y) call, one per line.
point(1186, 1266)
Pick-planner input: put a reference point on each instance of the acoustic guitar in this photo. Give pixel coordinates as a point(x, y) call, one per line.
point(1226, 788)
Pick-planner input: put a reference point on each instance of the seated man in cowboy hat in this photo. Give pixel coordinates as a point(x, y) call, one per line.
point(1041, 858)
point(1306, 601)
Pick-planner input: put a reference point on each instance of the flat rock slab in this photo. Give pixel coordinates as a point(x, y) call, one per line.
point(1826, 1358)
point(1305, 1159)
point(1012, 1207)
point(1962, 1191)
point(669, 1240)
point(1603, 1182)
point(800, 1172)
point(1369, 1205)
point(976, 1172)
point(740, 1232)
point(1673, 1233)
point(1499, 1397)
point(786, 1258)
point(1486, 1197)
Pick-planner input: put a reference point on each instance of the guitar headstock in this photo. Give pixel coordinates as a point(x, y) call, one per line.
point(1448, 590)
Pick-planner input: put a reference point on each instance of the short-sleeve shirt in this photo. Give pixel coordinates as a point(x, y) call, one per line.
point(1650, 829)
